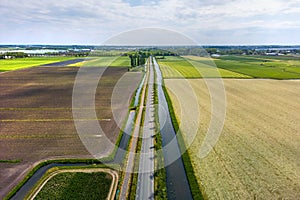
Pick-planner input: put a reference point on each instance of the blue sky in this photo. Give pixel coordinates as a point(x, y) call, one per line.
point(94, 21)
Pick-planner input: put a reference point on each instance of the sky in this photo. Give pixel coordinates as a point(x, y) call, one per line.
point(207, 22)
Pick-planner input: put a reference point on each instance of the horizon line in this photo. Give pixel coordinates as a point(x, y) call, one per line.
point(101, 45)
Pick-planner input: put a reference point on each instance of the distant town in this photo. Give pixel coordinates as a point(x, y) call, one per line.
point(22, 51)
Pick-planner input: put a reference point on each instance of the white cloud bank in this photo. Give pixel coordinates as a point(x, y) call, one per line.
point(94, 21)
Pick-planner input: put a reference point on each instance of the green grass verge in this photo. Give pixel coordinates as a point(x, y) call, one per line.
point(10, 161)
point(160, 175)
point(195, 188)
point(22, 63)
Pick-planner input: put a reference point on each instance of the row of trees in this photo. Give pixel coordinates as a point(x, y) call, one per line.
point(138, 58)
point(13, 55)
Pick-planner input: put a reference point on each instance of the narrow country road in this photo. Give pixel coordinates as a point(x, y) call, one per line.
point(145, 185)
point(133, 144)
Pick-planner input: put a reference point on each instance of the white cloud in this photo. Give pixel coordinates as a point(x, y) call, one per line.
point(77, 21)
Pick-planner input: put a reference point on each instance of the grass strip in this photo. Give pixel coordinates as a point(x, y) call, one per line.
point(10, 161)
point(160, 175)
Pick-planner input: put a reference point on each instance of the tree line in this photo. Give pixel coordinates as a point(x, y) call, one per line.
point(14, 55)
point(138, 58)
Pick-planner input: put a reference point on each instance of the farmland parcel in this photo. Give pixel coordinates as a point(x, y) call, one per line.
point(36, 117)
point(77, 185)
point(231, 67)
point(21, 63)
point(257, 155)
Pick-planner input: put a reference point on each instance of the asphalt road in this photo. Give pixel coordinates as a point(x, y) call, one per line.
point(145, 187)
point(133, 144)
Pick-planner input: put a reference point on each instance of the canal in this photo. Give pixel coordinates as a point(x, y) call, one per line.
point(177, 182)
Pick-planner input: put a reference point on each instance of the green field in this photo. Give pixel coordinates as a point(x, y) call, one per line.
point(79, 185)
point(113, 61)
point(177, 67)
point(21, 63)
point(274, 67)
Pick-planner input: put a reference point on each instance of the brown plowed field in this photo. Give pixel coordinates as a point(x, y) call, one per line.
point(36, 120)
point(257, 154)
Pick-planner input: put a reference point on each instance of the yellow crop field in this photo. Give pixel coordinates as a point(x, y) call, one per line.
point(258, 154)
point(177, 67)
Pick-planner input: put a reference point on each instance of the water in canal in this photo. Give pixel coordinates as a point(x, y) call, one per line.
point(177, 182)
